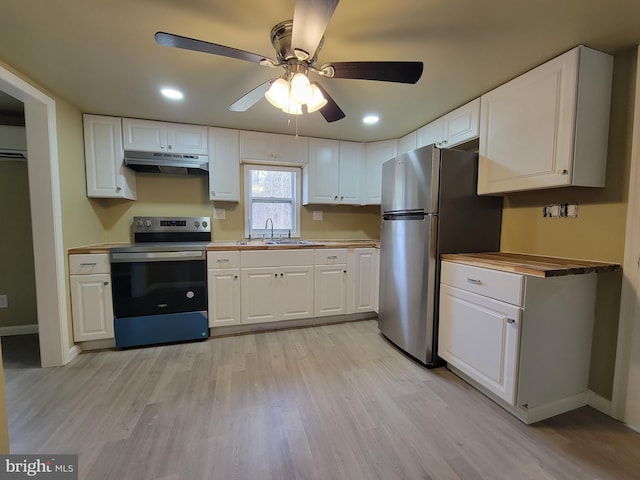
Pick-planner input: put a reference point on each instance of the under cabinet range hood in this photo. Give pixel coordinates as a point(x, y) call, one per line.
point(168, 163)
point(13, 142)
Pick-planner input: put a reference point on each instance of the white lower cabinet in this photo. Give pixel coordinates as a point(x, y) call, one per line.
point(362, 292)
point(276, 285)
point(331, 282)
point(523, 340)
point(223, 282)
point(91, 297)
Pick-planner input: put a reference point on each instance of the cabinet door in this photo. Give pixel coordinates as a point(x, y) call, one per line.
point(259, 298)
point(431, 134)
point(224, 297)
point(295, 292)
point(224, 165)
point(144, 135)
point(376, 154)
point(107, 177)
point(256, 146)
point(290, 149)
point(463, 124)
point(92, 307)
point(363, 277)
point(182, 138)
point(526, 129)
point(330, 290)
point(408, 143)
point(321, 174)
point(352, 164)
point(480, 337)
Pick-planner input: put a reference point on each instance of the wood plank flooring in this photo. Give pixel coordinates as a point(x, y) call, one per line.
point(330, 402)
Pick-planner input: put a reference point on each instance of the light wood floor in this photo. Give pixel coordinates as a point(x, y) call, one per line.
point(331, 402)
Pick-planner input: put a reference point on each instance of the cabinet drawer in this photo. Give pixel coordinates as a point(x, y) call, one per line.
point(216, 260)
point(86, 264)
point(330, 256)
point(503, 286)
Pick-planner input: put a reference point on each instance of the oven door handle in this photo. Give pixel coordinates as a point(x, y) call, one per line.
point(129, 257)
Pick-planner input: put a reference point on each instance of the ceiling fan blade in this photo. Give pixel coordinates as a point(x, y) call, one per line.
point(310, 20)
point(170, 40)
point(249, 99)
point(401, 72)
point(331, 111)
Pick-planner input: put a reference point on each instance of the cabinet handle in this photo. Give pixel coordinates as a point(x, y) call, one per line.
point(118, 189)
point(275, 275)
point(341, 197)
point(106, 283)
point(336, 197)
point(235, 276)
point(91, 264)
point(511, 320)
point(222, 260)
point(344, 271)
point(332, 257)
point(474, 281)
point(281, 275)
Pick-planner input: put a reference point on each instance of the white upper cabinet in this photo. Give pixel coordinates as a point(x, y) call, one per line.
point(352, 163)
point(407, 143)
point(224, 165)
point(107, 177)
point(454, 128)
point(273, 148)
point(333, 173)
point(376, 154)
point(152, 136)
point(548, 127)
point(320, 176)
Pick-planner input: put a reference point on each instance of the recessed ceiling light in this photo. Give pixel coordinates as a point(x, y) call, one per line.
point(172, 93)
point(370, 119)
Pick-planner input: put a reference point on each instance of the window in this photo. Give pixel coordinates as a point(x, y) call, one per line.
point(272, 193)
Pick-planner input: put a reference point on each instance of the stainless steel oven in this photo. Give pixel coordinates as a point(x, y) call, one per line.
point(160, 283)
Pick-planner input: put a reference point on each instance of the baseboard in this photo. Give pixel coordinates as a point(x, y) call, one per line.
point(73, 353)
point(540, 412)
point(599, 403)
point(18, 330)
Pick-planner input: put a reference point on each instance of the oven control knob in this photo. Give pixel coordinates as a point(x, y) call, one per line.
point(196, 224)
point(138, 223)
point(204, 224)
point(147, 223)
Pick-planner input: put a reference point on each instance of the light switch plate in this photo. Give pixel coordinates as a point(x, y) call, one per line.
point(219, 213)
point(317, 214)
point(4, 301)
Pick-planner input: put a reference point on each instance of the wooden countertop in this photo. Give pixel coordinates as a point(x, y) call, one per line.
point(254, 245)
point(260, 245)
point(534, 265)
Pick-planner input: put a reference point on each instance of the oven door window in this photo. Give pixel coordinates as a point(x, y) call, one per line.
point(152, 288)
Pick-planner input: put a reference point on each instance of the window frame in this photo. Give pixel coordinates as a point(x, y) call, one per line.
point(296, 201)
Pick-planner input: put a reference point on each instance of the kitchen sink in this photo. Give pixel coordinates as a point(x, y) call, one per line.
point(288, 241)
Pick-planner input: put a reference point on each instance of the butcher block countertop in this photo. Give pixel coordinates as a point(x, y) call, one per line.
point(260, 245)
point(533, 265)
point(253, 245)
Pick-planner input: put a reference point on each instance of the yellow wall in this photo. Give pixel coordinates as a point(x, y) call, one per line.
point(599, 231)
point(17, 276)
point(189, 196)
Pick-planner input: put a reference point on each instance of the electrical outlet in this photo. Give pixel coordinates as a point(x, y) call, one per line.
point(562, 210)
point(317, 214)
point(219, 213)
point(4, 301)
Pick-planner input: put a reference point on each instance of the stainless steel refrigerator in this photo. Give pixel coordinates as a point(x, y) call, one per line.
point(429, 207)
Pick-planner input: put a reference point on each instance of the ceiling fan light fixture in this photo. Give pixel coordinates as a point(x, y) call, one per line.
point(317, 100)
point(300, 88)
point(292, 107)
point(278, 93)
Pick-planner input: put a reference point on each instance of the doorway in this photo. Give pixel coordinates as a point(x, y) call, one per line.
point(44, 188)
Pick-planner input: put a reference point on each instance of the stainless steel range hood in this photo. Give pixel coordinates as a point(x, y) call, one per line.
point(168, 163)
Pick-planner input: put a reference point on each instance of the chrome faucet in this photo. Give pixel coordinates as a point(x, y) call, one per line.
point(267, 223)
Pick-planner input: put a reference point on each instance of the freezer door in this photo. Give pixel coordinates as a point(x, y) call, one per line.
point(407, 283)
point(410, 181)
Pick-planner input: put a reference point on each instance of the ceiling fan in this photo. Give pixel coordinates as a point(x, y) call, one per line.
point(297, 43)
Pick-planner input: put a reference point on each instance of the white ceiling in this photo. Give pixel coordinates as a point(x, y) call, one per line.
point(101, 56)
